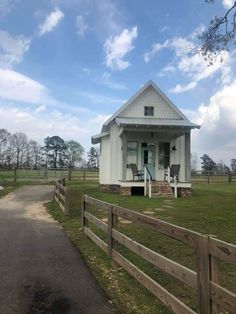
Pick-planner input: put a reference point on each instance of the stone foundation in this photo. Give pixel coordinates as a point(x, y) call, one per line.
point(185, 192)
point(104, 188)
point(125, 190)
point(114, 188)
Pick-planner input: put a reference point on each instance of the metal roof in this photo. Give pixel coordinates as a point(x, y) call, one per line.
point(97, 138)
point(156, 122)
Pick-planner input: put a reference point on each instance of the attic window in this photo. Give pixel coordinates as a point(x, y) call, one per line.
point(149, 111)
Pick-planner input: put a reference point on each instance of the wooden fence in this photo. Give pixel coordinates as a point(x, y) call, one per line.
point(61, 195)
point(212, 177)
point(212, 297)
point(18, 175)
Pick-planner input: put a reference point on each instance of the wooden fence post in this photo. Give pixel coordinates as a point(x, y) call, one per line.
point(214, 276)
point(84, 173)
point(84, 221)
point(15, 175)
point(230, 177)
point(69, 174)
point(203, 275)
point(208, 177)
point(110, 226)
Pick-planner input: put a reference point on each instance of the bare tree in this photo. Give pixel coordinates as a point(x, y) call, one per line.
point(20, 143)
point(219, 35)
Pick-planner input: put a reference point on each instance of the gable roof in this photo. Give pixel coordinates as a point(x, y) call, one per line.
point(139, 92)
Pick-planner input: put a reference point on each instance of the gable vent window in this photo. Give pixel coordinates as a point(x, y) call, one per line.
point(149, 111)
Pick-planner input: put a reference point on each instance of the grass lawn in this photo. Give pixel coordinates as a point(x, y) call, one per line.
point(211, 210)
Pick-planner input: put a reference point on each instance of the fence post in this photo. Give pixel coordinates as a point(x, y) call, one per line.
point(15, 175)
point(214, 276)
point(203, 275)
point(69, 174)
point(230, 177)
point(208, 177)
point(84, 173)
point(63, 181)
point(84, 221)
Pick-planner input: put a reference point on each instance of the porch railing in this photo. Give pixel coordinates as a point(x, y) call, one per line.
point(147, 178)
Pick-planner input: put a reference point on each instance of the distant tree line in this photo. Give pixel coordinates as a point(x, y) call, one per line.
point(208, 165)
point(18, 151)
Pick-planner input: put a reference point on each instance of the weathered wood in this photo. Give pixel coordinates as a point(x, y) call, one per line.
point(96, 239)
point(225, 298)
point(203, 275)
point(178, 271)
point(184, 235)
point(82, 212)
point(161, 293)
point(222, 250)
point(95, 202)
point(66, 202)
point(214, 276)
point(110, 226)
point(100, 224)
point(15, 175)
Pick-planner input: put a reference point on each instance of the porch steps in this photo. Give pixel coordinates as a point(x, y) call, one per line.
point(161, 189)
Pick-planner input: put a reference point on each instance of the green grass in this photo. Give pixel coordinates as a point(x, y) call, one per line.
point(211, 210)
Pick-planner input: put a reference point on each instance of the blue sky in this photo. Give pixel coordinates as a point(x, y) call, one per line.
point(65, 66)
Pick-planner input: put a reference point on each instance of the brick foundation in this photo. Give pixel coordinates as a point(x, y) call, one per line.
point(185, 192)
point(104, 188)
point(125, 190)
point(114, 188)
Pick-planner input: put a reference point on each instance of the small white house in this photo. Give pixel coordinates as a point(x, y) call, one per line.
point(148, 131)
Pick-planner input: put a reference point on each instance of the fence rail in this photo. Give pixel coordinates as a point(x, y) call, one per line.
point(15, 175)
point(61, 195)
point(212, 297)
point(212, 177)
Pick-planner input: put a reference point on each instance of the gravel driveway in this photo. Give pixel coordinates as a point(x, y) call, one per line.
point(40, 270)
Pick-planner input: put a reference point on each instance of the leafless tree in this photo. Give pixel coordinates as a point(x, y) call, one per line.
point(219, 35)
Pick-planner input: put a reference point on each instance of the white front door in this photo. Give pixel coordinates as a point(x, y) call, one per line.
point(148, 157)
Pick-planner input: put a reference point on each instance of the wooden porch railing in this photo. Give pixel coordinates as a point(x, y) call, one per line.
point(212, 297)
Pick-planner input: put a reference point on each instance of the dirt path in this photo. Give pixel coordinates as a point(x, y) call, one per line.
point(40, 270)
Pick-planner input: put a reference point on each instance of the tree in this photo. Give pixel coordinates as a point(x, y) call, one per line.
point(233, 165)
point(35, 153)
point(222, 168)
point(207, 164)
point(19, 142)
point(219, 35)
point(93, 157)
point(55, 149)
point(74, 153)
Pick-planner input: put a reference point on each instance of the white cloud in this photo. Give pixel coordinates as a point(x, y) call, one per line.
point(218, 119)
point(12, 48)
point(107, 81)
point(80, 25)
point(191, 65)
point(183, 88)
point(37, 124)
point(117, 47)
point(228, 3)
point(18, 87)
point(50, 22)
point(6, 6)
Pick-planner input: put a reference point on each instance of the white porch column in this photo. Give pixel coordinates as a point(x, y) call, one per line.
point(187, 158)
point(124, 156)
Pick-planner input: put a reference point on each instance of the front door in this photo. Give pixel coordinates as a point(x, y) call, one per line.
point(148, 157)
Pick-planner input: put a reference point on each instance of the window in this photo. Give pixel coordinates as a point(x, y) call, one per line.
point(149, 111)
point(132, 153)
point(164, 155)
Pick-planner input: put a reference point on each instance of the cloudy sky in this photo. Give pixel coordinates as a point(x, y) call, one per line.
point(66, 66)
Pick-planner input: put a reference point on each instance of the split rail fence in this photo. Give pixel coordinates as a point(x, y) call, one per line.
point(212, 297)
point(61, 195)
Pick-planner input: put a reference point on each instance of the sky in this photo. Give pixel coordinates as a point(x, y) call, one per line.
point(66, 66)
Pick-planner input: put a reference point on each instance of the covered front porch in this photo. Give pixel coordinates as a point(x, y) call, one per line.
point(155, 149)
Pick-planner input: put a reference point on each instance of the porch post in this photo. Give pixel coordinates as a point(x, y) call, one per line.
point(187, 158)
point(124, 156)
